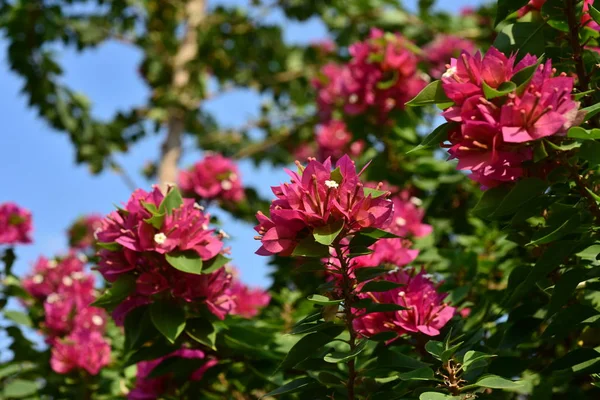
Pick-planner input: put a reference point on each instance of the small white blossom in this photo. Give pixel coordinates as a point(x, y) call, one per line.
point(160, 238)
point(416, 201)
point(223, 234)
point(96, 232)
point(67, 281)
point(353, 98)
point(401, 294)
point(37, 279)
point(332, 184)
point(450, 72)
point(97, 320)
point(53, 298)
point(78, 275)
point(52, 264)
point(233, 177)
point(226, 185)
point(82, 257)
point(400, 221)
point(198, 207)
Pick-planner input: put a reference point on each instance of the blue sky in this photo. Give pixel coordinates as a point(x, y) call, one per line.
point(37, 164)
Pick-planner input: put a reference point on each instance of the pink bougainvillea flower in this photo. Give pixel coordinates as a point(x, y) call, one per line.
point(81, 233)
point(138, 240)
point(247, 301)
point(442, 48)
point(425, 312)
point(586, 19)
point(394, 251)
point(48, 275)
point(533, 5)
point(335, 140)
point(81, 350)
point(215, 177)
point(317, 197)
point(147, 388)
point(15, 224)
point(490, 137)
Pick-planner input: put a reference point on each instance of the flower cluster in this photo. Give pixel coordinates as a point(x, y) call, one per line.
point(147, 388)
point(215, 177)
point(334, 141)
point(318, 198)
point(72, 326)
point(149, 238)
point(441, 49)
point(381, 76)
point(425, 310)
point(15, 224)
point(81, 233)
point(491, 134)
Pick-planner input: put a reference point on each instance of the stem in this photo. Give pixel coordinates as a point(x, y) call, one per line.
point(348, 295)
point(188, 49)
point(583, 190)
point(583, 83)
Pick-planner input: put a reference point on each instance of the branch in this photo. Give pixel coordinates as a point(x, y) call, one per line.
point(188, 49)
point(574, 25)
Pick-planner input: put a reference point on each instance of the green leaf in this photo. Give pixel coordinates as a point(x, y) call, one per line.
point(380, 286)
point(594, 13)
point(139, 328)
point(336, 175)
point(322, 300)
point(392, 358)
point(497, 382)
point(185, 261)
point(474, 359)
point(449, 352)
point(439, 135)
point(374, 193)
point(524, 76)
point(421, 374)
point(389, 83)
point(171, 201)
point(157, 218)
point(18, 317)
point(522, 192)
point(565, 228)
point(214, 263)
point(505, 8)
point(305, 348)
point(564, 289)
point(504, 89)
point(308, 247)
point(578, 132)
point(327, 234)
point(437, 396)
point(291, 387)
point(594, 195)
point(435, 348)
point(168, 318)
point(202, 331)
point(568, 319)
point(19, 388)
point(116, 293)
point(14, 368)
point(590, 151)
point(369, 236)
point(110, 246)
point(339, 357)
point(524, 37)
point(591, 111)
point(432, 94)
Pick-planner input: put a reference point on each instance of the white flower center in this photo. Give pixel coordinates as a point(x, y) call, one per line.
point(96, 232)
point(160, 238)
point(97, 320)
point(233, 177)
point(52, 264)
point(77, 275)
point(53, 298)
point(223, 234)
point(198, 207)
point(353, 98)
point(332, 184)
point(416, 201)
point(400, 221)
point(450, 72)
point(205, 226)
point(401, 294)
point(226, 185)
point(37, 279)
point(67, 281)
point(82, 258)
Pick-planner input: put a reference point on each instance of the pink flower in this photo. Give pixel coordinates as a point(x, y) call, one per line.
point(491, 137)
point(81, 233)
point(215, 177)
point(394, 251)
point(408, 216)
point(247, 301)
point(15, 224)
point(533, 5)
point(316, 197)
point(425, 310)
point(586, 19)
point(138, 239)
point(48, 275)
point(152, 388)
point(81, 350)
point(334, 141)
point(441, 49)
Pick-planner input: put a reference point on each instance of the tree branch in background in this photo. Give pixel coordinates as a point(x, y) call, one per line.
point(171, 148)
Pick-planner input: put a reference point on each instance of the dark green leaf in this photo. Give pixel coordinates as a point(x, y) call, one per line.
point(380, 286)
point(594, 13)
point(327, 234)
point(524, 37)
point(305, 348)
point(202, 331)
point(138, 328)
point(214, 263)
point(432, 94)
point(524, 76)
point(497, 382)
point(473, 359)
point(523, 191)
point(112, 246)
point(188, 261)
point(567, 319)
point(449, 351)
point(291, 387)
point(421, 374)
point(168, 318)
point(435, 348)
point(322, 300)
point(556, 233)
point(171, 201)
point(116, 293)
point(505, 8)
point(339, 357)
point(502, 90)
point(439, 135)
point(308, 247)
point(590, 151)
